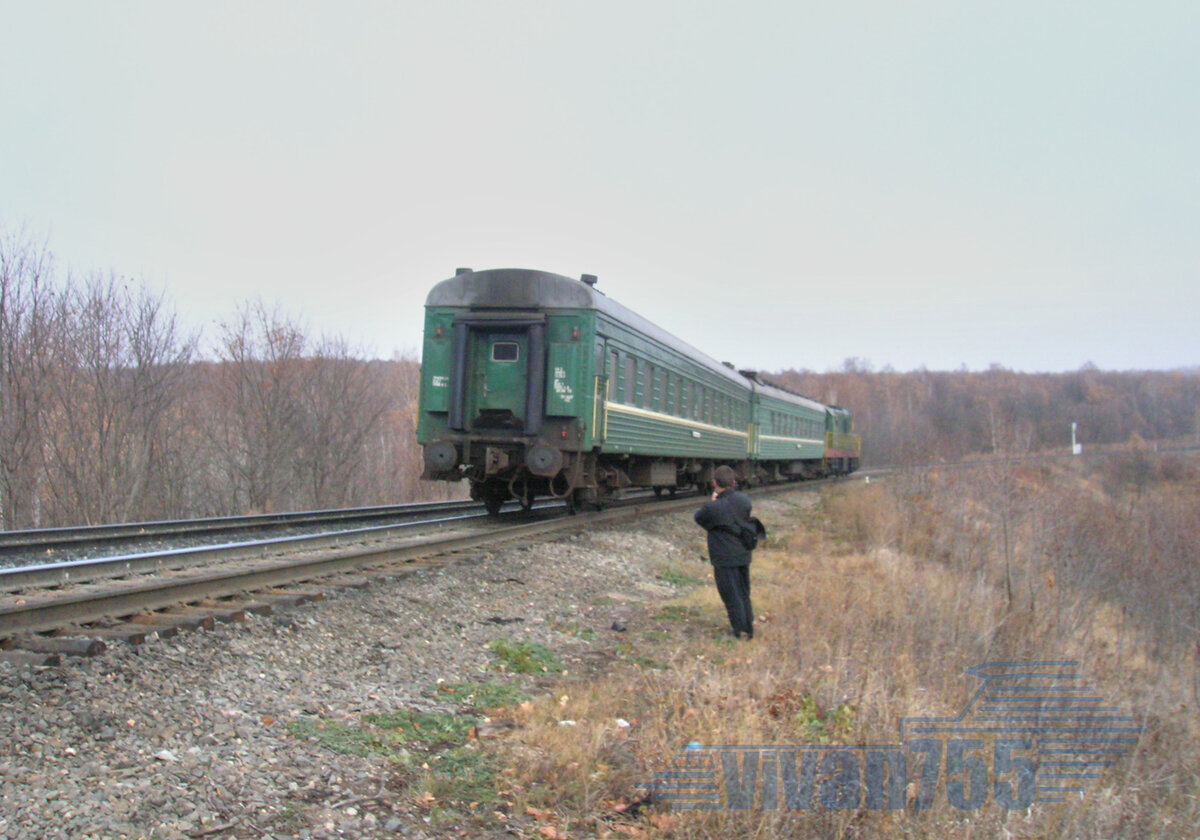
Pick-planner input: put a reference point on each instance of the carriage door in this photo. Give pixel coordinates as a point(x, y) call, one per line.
point(499, 379)
point(754, 444)
point(606, 372)
point(498, 372)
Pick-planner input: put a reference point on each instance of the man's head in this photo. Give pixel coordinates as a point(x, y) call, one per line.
point(724, 477)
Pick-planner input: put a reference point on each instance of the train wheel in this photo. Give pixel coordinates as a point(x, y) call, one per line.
point(658, 491)
point(493, 503)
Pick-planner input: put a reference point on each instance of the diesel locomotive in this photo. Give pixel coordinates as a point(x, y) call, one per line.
point(535, 384)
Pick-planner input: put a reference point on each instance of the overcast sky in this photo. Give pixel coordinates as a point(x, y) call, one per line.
point(782, 184)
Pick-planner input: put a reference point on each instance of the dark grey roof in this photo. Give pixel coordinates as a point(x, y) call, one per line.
point(517, 288)
point(513, 288)
point(787, 396)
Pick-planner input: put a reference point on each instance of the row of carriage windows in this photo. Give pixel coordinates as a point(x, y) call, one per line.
point(641, 383)
point(787, 425)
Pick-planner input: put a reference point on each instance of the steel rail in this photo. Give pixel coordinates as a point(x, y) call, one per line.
point(17, 541)
point(48, 575)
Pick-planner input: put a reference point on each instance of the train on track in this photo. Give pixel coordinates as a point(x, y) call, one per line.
point(535, 384)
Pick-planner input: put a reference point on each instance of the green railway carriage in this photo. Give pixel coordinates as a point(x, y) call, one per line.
point(788, 433)
point(535, 384)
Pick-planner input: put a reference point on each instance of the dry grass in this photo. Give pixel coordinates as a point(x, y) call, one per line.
point(871, 608)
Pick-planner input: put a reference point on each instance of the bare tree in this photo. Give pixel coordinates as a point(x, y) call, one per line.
point(258, 394)
point(119, 365)
point(26, 295)
point(343, 406)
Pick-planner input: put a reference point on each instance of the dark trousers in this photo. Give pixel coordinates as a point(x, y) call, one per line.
point(733, 585)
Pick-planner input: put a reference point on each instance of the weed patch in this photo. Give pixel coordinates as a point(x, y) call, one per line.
point(431, 751)
point(489, 695)
point(344, 739)
point(524, 657)
point(679, 612)
point(679, 580)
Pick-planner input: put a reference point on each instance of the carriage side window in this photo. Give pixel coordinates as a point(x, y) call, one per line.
point(628, 384)
point(505, 351)
point(647, 386)
point(614, 372)
point(660, 390)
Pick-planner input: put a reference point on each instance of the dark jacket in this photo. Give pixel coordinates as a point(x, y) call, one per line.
point(724, 518)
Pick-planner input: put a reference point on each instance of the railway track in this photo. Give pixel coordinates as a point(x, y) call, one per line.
point(50, 610)
point(60, 544)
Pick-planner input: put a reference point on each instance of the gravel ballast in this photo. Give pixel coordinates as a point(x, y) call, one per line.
point(189, 737)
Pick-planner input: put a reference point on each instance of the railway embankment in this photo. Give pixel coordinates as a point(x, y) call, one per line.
point(494, 697)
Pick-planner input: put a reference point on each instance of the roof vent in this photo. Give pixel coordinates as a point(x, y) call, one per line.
point(589, 279)
point(749, 374)
point(728, 365)
point(460, 271)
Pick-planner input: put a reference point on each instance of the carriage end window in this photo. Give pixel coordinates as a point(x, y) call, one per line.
point(505, 351)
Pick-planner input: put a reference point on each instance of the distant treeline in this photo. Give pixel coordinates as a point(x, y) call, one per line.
point(914, 417)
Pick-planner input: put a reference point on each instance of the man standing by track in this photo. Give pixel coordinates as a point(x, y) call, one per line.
point(726, 517)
